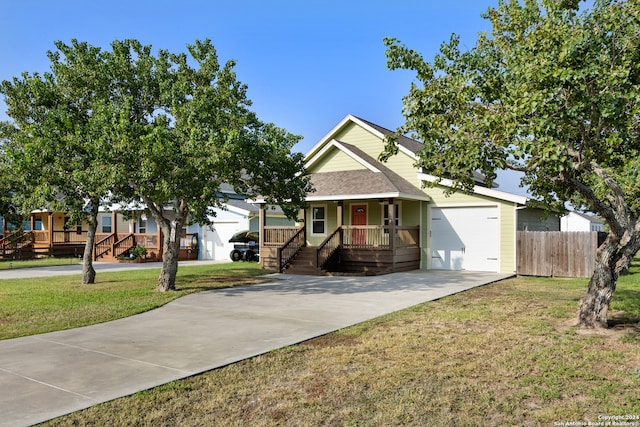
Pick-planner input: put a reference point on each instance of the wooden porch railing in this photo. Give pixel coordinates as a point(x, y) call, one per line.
point(328, 247)
point(103, 245)
point(377, 236)
point(69, 236)
point(149, 241)
point(365, 236)
point(407, 237)
point(16, 240)
point(41, 236)
point(275, 236)
point(188, 241)
point(123, 245)
point(291, 248)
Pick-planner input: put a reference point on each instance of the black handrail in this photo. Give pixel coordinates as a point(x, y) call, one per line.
point(328, 247)
point(291, 247)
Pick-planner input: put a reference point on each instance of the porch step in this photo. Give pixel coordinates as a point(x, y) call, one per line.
point(304, 263)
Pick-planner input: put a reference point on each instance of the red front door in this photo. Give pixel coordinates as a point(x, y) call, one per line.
point(359, 217)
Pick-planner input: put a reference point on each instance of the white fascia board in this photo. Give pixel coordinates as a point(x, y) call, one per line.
point(483, 191)
point(336, 128)
point(408, 152)
point(367, 127)
point(339, 146)
point(396, 195)
point(329, 135)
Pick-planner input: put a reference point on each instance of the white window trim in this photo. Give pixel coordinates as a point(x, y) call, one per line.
point(399, 218)
point(324, 220)
point(102, 223)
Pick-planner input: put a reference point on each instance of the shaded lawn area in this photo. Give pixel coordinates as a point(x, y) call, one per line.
point(7, 264)
point(502, 354)
point(34, 306)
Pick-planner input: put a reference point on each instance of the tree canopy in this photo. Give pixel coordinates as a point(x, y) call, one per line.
point(554, 92)
point(161, 132)
point(55, 145)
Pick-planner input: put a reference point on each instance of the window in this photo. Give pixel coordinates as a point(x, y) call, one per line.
point(37, 223)
point(318, 220)
point(106, 224)
point(385, 214)
point(142, 224)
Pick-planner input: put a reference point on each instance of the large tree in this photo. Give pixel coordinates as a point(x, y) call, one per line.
point(159, 131)
point(554, 92)
point(180, 126)
point(55, 145)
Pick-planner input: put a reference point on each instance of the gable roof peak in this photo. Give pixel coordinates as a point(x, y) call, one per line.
point(406, 144)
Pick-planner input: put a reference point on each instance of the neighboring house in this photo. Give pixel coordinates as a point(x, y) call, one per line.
point(359, 202)
point(47, 233)
point(535, 219)
point(239, 215)
point(576, 221)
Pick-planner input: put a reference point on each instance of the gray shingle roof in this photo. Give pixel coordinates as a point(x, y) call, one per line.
point(363, 181)
point(414, 146)
point(408, 143)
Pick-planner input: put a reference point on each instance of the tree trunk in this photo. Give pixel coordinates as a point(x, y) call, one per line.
point(88, 272)
point(170, 252)
point(594, 306)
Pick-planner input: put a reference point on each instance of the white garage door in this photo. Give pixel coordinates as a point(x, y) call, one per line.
point(465, 238)
point(216, 241)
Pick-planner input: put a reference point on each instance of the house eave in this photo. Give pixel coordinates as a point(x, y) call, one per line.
point(483, 191)
point(394, 195)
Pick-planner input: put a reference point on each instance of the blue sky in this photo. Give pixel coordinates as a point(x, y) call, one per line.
point(307, 63)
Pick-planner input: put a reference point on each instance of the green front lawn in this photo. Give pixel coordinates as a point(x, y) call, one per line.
point(34, 306)
point(6, 264)
point(503, 354)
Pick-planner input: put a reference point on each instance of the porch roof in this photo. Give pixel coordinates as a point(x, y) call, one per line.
point(374, 181)
point(361, 184)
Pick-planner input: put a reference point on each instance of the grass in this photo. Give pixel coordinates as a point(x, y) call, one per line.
point(502, 354)
point(34, 306)
point(34, 263)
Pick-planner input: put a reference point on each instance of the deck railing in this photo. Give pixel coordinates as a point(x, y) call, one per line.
point(365, 236)
point(103, 245)
point(16, 240)
point(123, 245)
point(327, 248)
point(276, 236)
point(69, 237)
point(377, 236)
point(40, 236)
point(353, 236)
point(188, 241)
point(407, 237)
point(291, 248)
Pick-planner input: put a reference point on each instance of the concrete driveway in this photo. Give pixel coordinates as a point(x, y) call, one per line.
point(49, 375)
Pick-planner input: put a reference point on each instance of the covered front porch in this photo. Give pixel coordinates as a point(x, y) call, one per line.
point(360, 236)
point(49, 233)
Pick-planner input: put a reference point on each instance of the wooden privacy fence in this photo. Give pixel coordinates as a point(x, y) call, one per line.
point(556, 253)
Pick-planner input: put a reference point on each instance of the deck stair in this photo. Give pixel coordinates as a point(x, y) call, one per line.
point(109, 249)
point(16, 244)
point(305, 262)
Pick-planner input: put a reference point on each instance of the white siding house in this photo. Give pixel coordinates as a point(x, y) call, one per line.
point(575, 221)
